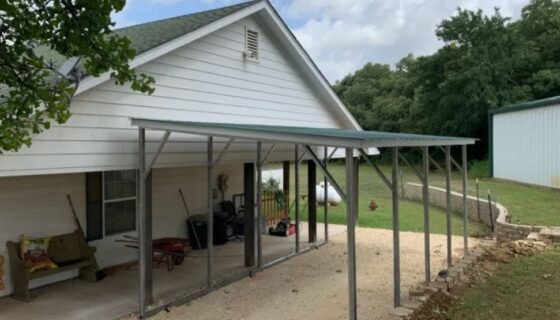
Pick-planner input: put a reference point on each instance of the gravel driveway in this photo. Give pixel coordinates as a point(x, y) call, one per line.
point(314, 285)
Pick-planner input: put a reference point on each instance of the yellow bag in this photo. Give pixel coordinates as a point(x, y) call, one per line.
point(34, 253)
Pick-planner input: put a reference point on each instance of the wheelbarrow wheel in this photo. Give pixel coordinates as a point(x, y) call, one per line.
point(177, 260)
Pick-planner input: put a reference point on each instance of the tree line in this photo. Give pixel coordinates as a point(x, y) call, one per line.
point(486, 62)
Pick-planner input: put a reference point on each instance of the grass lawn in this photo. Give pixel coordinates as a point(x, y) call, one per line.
point(371, 187)
point(526, 288)
point(528, 205)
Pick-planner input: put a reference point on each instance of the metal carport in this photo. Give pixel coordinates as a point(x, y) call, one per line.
point(353, 141)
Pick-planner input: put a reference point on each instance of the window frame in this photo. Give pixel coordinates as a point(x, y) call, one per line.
point(104, 201)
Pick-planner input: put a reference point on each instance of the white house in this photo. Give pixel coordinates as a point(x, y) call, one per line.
point(233, 79)
point(525, 142)
point(237, 64)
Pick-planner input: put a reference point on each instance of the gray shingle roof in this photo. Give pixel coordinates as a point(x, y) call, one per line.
point(149, 35)
point(146, 36)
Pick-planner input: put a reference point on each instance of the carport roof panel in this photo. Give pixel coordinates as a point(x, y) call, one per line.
point(301, 135)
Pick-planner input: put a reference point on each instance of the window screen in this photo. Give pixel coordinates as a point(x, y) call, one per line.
point(119, 192)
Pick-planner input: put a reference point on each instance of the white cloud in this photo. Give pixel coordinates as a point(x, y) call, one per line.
point(342, 35)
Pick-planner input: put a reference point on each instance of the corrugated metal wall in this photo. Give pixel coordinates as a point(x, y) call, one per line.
point(526, 146)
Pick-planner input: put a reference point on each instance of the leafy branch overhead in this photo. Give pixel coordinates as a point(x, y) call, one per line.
point(46, 48)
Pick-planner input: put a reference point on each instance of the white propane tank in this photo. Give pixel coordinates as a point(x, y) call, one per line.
point(333, 197)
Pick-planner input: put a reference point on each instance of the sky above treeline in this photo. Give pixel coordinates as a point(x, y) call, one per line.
point(342, 35)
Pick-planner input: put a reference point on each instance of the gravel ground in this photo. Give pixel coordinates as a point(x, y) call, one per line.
point(314, 285)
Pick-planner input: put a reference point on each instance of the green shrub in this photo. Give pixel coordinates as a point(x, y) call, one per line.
point(479, 169)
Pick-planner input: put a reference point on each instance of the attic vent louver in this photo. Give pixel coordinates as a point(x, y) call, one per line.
point(251, 45)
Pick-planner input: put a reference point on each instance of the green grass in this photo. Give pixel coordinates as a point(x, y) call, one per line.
point(527, 204)
point(371, 187)
point(526, 288)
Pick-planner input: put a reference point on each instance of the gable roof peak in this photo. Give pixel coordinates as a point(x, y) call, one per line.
point(148, 35)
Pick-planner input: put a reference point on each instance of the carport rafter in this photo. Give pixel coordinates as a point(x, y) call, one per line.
point(326, 173)
point(380, 173)
point(223, 152)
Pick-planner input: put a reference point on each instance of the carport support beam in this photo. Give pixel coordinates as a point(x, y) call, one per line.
point(312, 201)
point(448, 202)
point(259, 204)
point(326, 195)
point(465, 214)
point(351, 208)
point(396, 227)
point(249, 215)
point(144, 236)
point(210, 203)
point(296, 197)
point(426, 202)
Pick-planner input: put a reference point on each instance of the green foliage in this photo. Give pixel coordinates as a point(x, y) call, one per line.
point(486, 62)
point(479, 169)
point(271, 185)
point(36, 33)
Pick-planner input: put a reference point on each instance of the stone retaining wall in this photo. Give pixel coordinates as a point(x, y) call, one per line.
point(504, 229)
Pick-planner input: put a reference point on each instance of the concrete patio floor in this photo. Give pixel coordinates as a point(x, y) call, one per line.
point(116, 295)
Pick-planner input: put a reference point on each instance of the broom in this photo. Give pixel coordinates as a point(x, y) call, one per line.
point(99, 274)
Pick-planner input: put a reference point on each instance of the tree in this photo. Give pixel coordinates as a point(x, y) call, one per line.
point(35, 37)
point(486, 62)
point(471, 74)
point(537, 34)
point(379, 97)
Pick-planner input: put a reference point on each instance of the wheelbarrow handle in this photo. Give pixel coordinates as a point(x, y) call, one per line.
point(126, 241)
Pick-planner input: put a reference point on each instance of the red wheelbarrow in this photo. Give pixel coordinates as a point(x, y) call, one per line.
point(171, 251)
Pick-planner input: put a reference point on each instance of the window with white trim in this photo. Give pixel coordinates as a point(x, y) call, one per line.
point(119, 201)
point(251, 45)
point(110, 203)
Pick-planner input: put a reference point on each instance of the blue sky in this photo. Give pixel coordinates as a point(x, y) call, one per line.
point(342, 35)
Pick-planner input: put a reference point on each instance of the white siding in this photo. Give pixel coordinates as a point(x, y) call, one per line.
point(207, 80)
point(27, 203)
point(526, 146)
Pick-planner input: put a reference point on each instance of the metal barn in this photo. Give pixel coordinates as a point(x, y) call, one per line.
point(525, 142)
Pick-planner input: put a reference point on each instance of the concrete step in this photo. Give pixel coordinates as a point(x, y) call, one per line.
point(402, 312)
point(412, 304)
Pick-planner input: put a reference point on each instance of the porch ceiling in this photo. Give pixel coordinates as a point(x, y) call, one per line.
point(301, 135)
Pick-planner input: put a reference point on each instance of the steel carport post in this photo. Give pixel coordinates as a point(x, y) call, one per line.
point(426, 202)
point(465, 214)
point(326, 195)
point(351, 208)
point(448, 202)
point(296, 198)
point(144, 237)
point(396, 227)
point(259, 204)
point(210, 203)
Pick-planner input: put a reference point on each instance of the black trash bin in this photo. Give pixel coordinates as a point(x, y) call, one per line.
point(200, 226)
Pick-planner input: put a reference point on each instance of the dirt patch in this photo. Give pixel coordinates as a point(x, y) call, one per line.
point(441, 303)
point(314, 285)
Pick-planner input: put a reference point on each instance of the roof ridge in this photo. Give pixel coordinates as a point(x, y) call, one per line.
point(242, 4)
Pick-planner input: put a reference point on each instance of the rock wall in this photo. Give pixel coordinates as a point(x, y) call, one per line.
point(503, 228)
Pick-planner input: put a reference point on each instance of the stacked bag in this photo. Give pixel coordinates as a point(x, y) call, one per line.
point(34, 253)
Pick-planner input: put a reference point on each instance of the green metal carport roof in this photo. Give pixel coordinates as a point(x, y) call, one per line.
point(302, 135)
